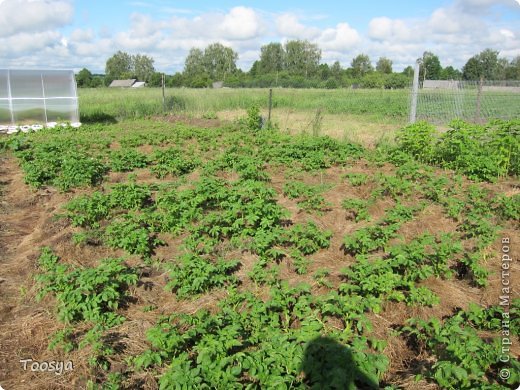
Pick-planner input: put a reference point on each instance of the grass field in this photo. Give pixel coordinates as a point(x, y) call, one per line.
point(368, 116)
point(128, 103)
point(153, 253)
point(440, 106)
point(365, 116)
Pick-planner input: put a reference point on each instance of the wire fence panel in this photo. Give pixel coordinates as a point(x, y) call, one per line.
point(440, 101)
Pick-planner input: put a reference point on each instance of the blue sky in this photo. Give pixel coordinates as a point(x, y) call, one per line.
point(77, 34)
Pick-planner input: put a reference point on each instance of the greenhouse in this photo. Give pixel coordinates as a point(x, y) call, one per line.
point(37, 98)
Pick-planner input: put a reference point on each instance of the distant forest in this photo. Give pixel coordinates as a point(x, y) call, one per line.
point(295, 64)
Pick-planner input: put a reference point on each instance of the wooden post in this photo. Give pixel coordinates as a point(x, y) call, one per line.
point(270, 106)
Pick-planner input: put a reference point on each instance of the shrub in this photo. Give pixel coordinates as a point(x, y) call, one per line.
point(418, 140)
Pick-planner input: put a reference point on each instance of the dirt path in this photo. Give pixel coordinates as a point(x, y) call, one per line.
point(25, 225)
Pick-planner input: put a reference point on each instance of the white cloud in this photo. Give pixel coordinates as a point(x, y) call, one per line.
point(480, 6)
point(19, 16)
point(28, 42)
point(241, 23)
point(386, 29)
point(343, 37)
point(143, 25)
point(508, 34)
point(80, 35)
point(289, 26)
point(454, 32)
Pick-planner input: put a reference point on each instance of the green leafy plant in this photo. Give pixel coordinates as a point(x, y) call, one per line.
point(126, 159)
point(130, 196)
point(309, 197)
point(131, 235)
point(464, 360)
point(418, 139)
point(357, 179)
point(87, 210)
point(371, 238)
point(508, 207)
point(194, 275)
point(357, 208)
point(171, 162)
point(85, 294)
point(253, 119)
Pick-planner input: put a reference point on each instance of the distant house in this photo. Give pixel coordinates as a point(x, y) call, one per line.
point(218, 84)
point(139, 84)
point(123, 83)
point(441, 84)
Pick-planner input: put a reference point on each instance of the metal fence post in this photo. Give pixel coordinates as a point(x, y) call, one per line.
point(163, 97)
point(459, 93)
point(415, 92)
point(479, 97)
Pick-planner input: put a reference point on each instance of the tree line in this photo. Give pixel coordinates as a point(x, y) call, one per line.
point(296, 63)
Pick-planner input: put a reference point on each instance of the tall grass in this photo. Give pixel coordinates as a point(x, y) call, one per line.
point(138, 103)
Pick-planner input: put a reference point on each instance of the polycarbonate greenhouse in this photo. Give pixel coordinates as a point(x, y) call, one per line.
point(37, 98)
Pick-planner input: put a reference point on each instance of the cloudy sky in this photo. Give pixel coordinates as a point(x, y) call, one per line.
point(77, 34)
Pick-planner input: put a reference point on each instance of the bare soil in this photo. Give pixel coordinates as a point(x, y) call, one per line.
point(28, 221)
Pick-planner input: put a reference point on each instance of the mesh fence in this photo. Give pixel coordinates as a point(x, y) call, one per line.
point(360, 114)
point(440, 101)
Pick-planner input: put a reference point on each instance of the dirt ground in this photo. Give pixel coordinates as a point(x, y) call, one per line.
point(28, 222)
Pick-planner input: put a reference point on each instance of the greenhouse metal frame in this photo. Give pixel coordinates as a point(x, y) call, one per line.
point(37, 97)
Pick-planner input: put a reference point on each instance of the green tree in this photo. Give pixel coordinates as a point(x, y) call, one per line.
point(117, 65)
point(472, 69)
point(484, 65)
point(450, 73)
point(142, 67)
point(98, 80)
point(219, 61)
point(324, 71)
point(501, 71)
point(373, 80)
point(336, 70)
point(255, 69)
point(430, 67)
point(302, 58)
point(361, 65)
point(272, 58)
point(513, 70)
point(397, 80)
point(155, 80)
point(84, 78)
point(384, 65)
point(408, 71)
point(125, 66)
point(194, 63)
point(177, 80)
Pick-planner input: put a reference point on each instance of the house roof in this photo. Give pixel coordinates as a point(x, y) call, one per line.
point(440, 84)
point(122, 83)
point(138, 84)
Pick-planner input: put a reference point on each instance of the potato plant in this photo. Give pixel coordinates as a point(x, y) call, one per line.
point(257, 295)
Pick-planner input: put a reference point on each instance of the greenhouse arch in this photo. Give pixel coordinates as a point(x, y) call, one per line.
point(37, 97)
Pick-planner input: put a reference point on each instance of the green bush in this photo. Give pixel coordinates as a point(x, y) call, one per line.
point(418, 139)
point(253, 119)
point(127, 159)
point(85, 294)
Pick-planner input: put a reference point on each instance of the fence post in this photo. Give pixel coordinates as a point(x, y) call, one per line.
point(459, 92)
point(270, 106)
point(163, 98)
point(479, 97)
point(415, 92)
